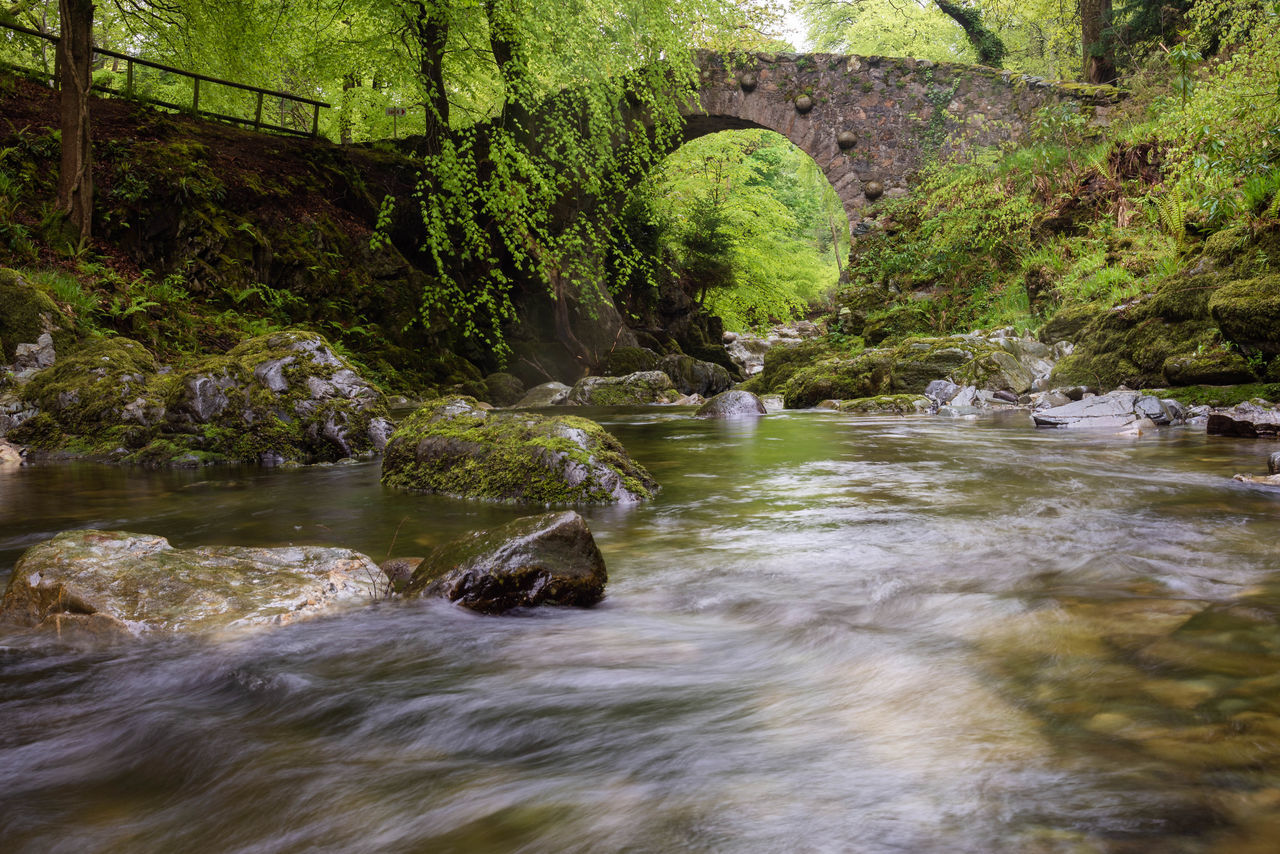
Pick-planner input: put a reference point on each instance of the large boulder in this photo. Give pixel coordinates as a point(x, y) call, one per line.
point(1250, 420)
point(629, 360)
point(547, 394)
point(550, 559)
point(892, 404)
point(732, 404)
point(638, 389)
point(503, 389)
point(693, 376)
point(1210, 367)
point(1248, 312)
point(282, 396)
point(117, 584)
point(1113, 411)
point(453, 447)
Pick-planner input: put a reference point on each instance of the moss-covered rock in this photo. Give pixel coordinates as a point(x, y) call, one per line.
point(638, 389)
point(866, 375)
point(1215, 395)
point(25, 313)
point(629, 360)
point(781, 362)
point(1217, 366)
point(283, 396)
point(920, 361)
point(452, 447)
point(1248, 312)
point(896, 404)
point(897, 322)
point(1068, 323)
point(503, 389)
point(694, 376)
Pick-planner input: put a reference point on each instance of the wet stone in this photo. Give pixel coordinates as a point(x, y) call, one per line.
point(550, 559)
point(146, 585)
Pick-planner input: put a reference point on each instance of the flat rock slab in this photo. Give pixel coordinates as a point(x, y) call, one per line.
point(121, 584)
point(1112, 411)
point(1248, 419)
point(550, 559)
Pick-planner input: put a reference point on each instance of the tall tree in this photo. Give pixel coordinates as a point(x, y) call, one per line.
point(989, 46)
point(75, 54)
point(1096, 41)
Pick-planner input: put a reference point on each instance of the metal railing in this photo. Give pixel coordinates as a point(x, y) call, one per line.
point(135, 89)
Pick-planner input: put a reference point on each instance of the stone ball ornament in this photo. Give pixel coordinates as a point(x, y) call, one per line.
point(803, 104)
point(846, 139)
point(873, 190)
point(747, 81)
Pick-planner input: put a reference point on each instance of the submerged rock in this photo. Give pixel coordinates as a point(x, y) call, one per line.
point(453, 447)
point(550, 559)
point(118, 584)
point(1112, 411)
point(547, 394)
point(638, 389)
point(732, 404)
point(1273, 463)
point(1250, 420)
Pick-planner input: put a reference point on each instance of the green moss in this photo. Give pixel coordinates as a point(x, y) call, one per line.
point(782, 362)
point(1248, 312)
point(1224, 395)
point(1184, 298)
point(628, 360)
point(1223, 246)
point(1213, 366)
point(1069, 322)
point(503, 389)
point(26, 312)
point(865, 375)
point(450, 446)
point(897, 322)
point(898, 404)
point(111, 396)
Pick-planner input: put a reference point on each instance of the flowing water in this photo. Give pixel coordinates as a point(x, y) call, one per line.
point(827, 634)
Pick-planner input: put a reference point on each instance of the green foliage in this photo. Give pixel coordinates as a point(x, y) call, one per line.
point(752, 224)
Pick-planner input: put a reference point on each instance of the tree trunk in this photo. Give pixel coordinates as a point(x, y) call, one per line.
point(431, 31)
point(349, 82)
point(1095, 38)
point(988, 45)
point(75, 52)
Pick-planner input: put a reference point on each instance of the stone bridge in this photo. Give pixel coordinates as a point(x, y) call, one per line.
point(871, 121)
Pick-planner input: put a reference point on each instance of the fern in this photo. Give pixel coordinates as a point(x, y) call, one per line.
point(1171, 208)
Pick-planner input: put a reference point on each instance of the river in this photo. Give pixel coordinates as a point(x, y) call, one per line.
point(827, 634)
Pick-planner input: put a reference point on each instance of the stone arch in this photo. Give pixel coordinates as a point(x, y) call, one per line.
point(870, 122)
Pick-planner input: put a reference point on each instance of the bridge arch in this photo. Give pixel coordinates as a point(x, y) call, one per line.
point(870, 122)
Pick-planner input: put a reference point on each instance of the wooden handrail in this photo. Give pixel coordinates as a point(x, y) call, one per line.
point(159, 66)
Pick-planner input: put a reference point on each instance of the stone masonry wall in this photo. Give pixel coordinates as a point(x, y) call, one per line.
point(869, 122)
